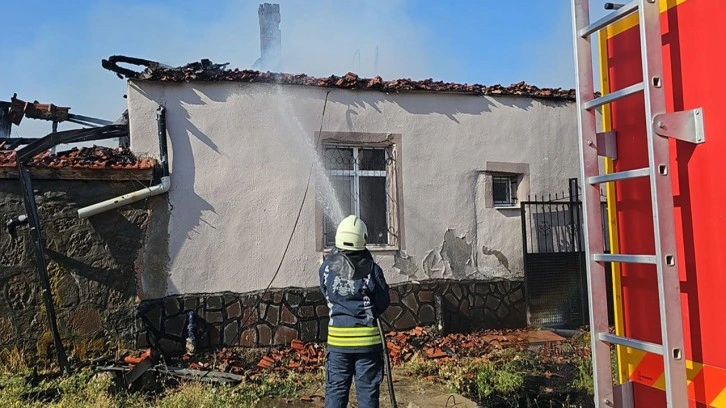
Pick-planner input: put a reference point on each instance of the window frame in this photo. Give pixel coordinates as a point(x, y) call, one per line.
point(511, 181)
point(517, 172)
point(391, 144)
point(357, 173)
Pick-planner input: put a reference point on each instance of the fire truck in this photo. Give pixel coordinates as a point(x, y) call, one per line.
point(651, 139)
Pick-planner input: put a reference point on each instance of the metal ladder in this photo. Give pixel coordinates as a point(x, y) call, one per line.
point(687, 126)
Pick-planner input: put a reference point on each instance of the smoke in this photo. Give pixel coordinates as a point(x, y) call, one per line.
point(58, 61)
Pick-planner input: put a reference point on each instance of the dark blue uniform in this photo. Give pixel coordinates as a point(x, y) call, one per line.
point(356, 292)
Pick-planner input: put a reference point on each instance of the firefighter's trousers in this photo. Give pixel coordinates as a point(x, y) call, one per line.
point(342, 368)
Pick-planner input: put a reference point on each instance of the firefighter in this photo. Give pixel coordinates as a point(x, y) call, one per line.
point(356, 292)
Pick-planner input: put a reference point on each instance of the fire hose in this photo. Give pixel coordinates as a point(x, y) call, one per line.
point(387, 365)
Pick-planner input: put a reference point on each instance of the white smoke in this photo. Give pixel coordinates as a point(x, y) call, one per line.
point(61, 63)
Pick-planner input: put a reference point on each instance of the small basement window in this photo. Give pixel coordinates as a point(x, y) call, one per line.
point(505, 182)
point(504, 190)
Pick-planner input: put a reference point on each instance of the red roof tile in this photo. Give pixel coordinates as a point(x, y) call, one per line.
point(96, 157)
point(208, 71)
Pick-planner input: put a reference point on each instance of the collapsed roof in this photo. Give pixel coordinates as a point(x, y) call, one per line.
point(96, 157)
point(205, 70)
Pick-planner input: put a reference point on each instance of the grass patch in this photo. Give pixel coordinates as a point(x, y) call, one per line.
point(584, 381)
point(501, 375)
point(79, 390)
point(485, 381)
point(12, 360)
point(196, 394)
point(90, 389)
point(516, 377)
point(421, 367)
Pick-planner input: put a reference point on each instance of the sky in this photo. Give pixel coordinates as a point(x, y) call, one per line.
point(52, 50)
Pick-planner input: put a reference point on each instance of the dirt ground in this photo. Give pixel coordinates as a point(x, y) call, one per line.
point(410, 393)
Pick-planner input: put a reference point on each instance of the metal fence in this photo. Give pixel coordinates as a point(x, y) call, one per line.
point(554, 260)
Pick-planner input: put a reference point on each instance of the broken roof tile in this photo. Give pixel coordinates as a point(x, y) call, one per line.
point(96, 157)
point(205, 70)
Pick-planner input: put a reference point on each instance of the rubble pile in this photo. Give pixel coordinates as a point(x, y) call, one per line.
point(299, 357)
point(353, 81)
point(403, 346)
point(307, 357)
point(95, 157)
point(253, 366)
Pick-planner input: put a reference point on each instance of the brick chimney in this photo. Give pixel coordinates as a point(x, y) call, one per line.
point(270, 37)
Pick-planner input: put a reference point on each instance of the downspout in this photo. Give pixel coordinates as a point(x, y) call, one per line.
point(162, 187)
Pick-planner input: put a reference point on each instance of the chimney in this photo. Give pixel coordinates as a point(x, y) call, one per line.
point(270, 37)
point(4, 119)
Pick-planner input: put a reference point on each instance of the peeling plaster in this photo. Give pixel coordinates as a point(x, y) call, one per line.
point(497, 254)
point(456, 258)
point(198, 264)
point(458, 255)
point(405, 264)
point(433, 265)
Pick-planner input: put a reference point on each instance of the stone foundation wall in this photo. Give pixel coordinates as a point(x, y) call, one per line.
point(277, 317)
point(95, 267)
point(91, 265)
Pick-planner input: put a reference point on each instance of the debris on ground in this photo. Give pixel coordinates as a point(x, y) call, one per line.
point(532, 361)
point(301, 357)
point(403, 346)
point(234, 365)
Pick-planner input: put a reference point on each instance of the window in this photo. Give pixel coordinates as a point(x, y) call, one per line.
point(504, 190)
point(505, 182)
point(362, 179)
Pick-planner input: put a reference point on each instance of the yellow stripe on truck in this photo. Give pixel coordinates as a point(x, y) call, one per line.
point(611, 205)
point(632, 20)
point(705, 384)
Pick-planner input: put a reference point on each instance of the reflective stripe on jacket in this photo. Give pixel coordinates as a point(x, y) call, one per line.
point(353, 336)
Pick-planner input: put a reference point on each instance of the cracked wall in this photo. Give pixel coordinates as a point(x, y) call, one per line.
point(456, 258)
point(238, 179)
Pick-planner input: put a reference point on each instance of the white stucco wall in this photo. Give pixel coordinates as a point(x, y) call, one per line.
point(240, 155)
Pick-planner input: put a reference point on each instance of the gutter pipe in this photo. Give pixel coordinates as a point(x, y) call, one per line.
point(163, 186)
point(129, 198)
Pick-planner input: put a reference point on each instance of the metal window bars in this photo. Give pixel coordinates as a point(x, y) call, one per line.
point(361, 178)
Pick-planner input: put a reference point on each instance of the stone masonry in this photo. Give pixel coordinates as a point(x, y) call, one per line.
point(94, 267)
point(277, 317)
point(91, 265)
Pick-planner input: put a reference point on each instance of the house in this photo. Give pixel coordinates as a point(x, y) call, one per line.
point(262, 166)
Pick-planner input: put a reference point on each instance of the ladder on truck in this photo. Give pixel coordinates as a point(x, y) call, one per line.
point(687, 126)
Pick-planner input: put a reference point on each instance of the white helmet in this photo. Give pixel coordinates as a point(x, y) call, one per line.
point(351, 234)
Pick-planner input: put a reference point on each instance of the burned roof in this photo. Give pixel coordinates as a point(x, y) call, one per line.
point(205, 70)
point(96, 157)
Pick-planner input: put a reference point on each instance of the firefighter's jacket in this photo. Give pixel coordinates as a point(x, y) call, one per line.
point(356, 292)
